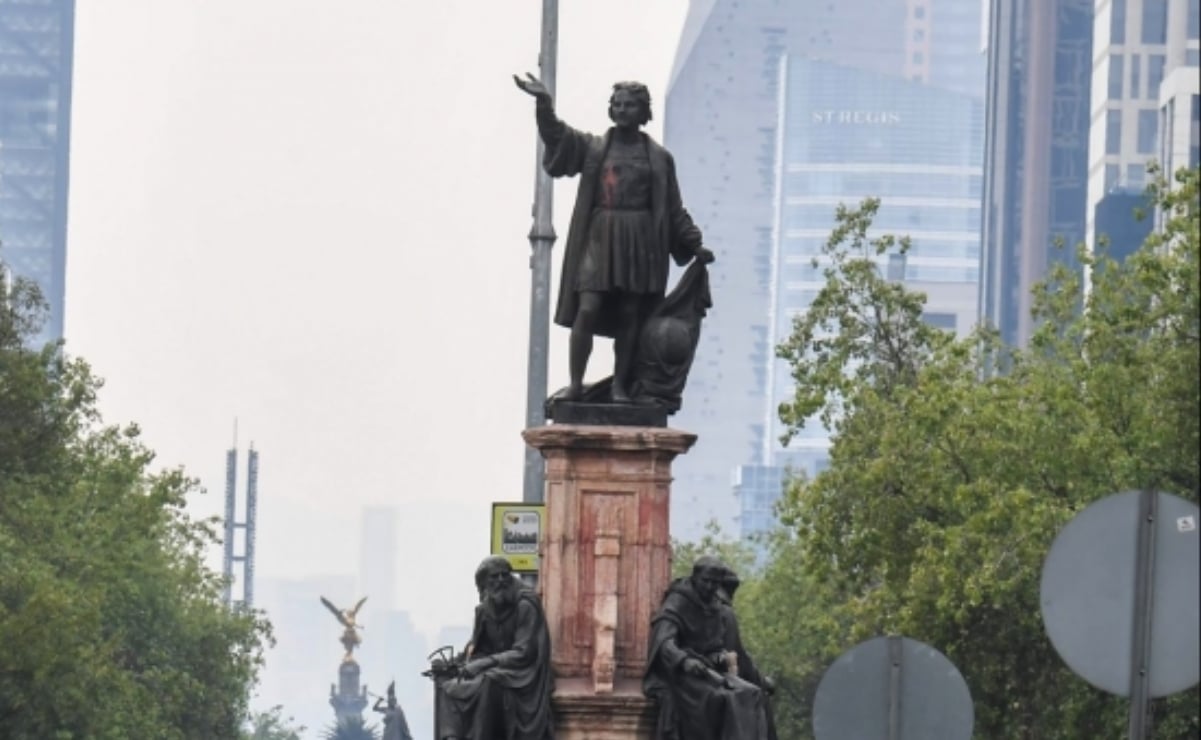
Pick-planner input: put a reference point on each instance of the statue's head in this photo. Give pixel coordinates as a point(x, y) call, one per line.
point(707, 574)
point(495, 581)
point(729, 581)
point(630, 104)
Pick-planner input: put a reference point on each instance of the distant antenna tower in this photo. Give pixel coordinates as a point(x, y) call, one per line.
point(244, 560)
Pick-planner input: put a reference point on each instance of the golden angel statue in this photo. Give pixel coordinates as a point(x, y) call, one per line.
point(347, 618)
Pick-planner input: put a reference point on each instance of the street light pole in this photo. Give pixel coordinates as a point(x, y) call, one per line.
point(542, 239)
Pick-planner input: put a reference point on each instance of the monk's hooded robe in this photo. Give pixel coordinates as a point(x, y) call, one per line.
point(718, 706)
point(510, 701)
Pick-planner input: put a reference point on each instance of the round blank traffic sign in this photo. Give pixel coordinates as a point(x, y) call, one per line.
point(1087, 594)
point(892, 680)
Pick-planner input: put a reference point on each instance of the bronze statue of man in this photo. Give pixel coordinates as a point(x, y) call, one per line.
point(627, 221)
point(691, 672)
point(395, 726)
point(503, 690)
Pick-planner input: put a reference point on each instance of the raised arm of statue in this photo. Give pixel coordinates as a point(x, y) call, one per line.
point(533, 86)
point(566, 147)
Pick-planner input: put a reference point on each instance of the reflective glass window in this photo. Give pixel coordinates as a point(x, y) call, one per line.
point(1155, 64)
point(1113, 132)
point(1148, 127)
point(1155, 21)
point(1116, 69)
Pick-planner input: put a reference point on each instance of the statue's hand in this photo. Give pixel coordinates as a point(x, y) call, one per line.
point(533, 86)
point(475, 667)
point(705, 256)
point(695, 667)
point(769, 686)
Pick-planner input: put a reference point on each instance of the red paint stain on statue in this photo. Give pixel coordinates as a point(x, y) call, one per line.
point(608, 186)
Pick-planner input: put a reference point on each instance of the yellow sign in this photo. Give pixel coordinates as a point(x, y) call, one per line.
point(516, 532)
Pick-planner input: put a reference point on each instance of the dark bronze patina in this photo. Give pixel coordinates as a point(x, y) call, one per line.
point(628, 223)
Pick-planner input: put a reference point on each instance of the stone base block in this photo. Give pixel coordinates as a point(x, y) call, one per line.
point(608, 414)
point(581, 714)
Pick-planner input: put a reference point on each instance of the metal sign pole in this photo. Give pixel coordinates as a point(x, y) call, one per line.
point(1144, 582)
point(542, 239)
point(894, 687)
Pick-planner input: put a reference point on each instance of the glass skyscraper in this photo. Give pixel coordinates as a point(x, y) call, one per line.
point(1036, 151)
point(1145, 59)
point(36, 43)
point(722, 123)
point(848, 134)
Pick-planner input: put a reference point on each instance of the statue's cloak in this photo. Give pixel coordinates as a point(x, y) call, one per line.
point(515, 693)
point(712, 707)
point(571, 152)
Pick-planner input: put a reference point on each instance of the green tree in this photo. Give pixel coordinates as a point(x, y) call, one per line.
point(110, 624)
point(353, 728)
point(735, 553)
point(946, 485)
point(271, 725)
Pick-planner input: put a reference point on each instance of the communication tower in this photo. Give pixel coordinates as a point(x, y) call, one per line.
point(239, 585)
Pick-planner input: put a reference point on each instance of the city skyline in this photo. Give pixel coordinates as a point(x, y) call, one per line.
point(296, 216)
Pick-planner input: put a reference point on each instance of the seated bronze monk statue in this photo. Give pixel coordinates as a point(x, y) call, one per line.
point(503, 690)
point(691, 673)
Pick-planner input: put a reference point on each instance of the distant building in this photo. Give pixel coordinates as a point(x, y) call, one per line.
point(36, 55)
point(1115, 223)
point(456, 636)
point(723, 112)
point(1036, 152)
point(1145, 59)
point(1180, 114)
point(1180, 91)
point(758, 488)
point(847, 134)
point(378, 557)
point(1129, 61)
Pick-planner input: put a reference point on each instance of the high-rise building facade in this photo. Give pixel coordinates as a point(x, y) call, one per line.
point(722, 124)
point(845, 135)
point(1145, 58)
point(1035, 151)
point(1129, 59)
point(1180, 91)
point(36, 48)
point(378, 557)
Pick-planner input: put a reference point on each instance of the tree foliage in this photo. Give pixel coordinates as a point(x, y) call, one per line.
point(351, 728)
point(110, 624)
point(947, 483)
point(271, 725)
point(735, 553)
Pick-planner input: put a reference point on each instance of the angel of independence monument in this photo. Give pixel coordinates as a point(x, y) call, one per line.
point(605, 448)
point(347, 697)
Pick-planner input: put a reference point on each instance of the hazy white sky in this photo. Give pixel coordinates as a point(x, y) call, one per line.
point(313, 216)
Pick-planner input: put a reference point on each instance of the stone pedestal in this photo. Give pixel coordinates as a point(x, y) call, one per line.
point(606, 562)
